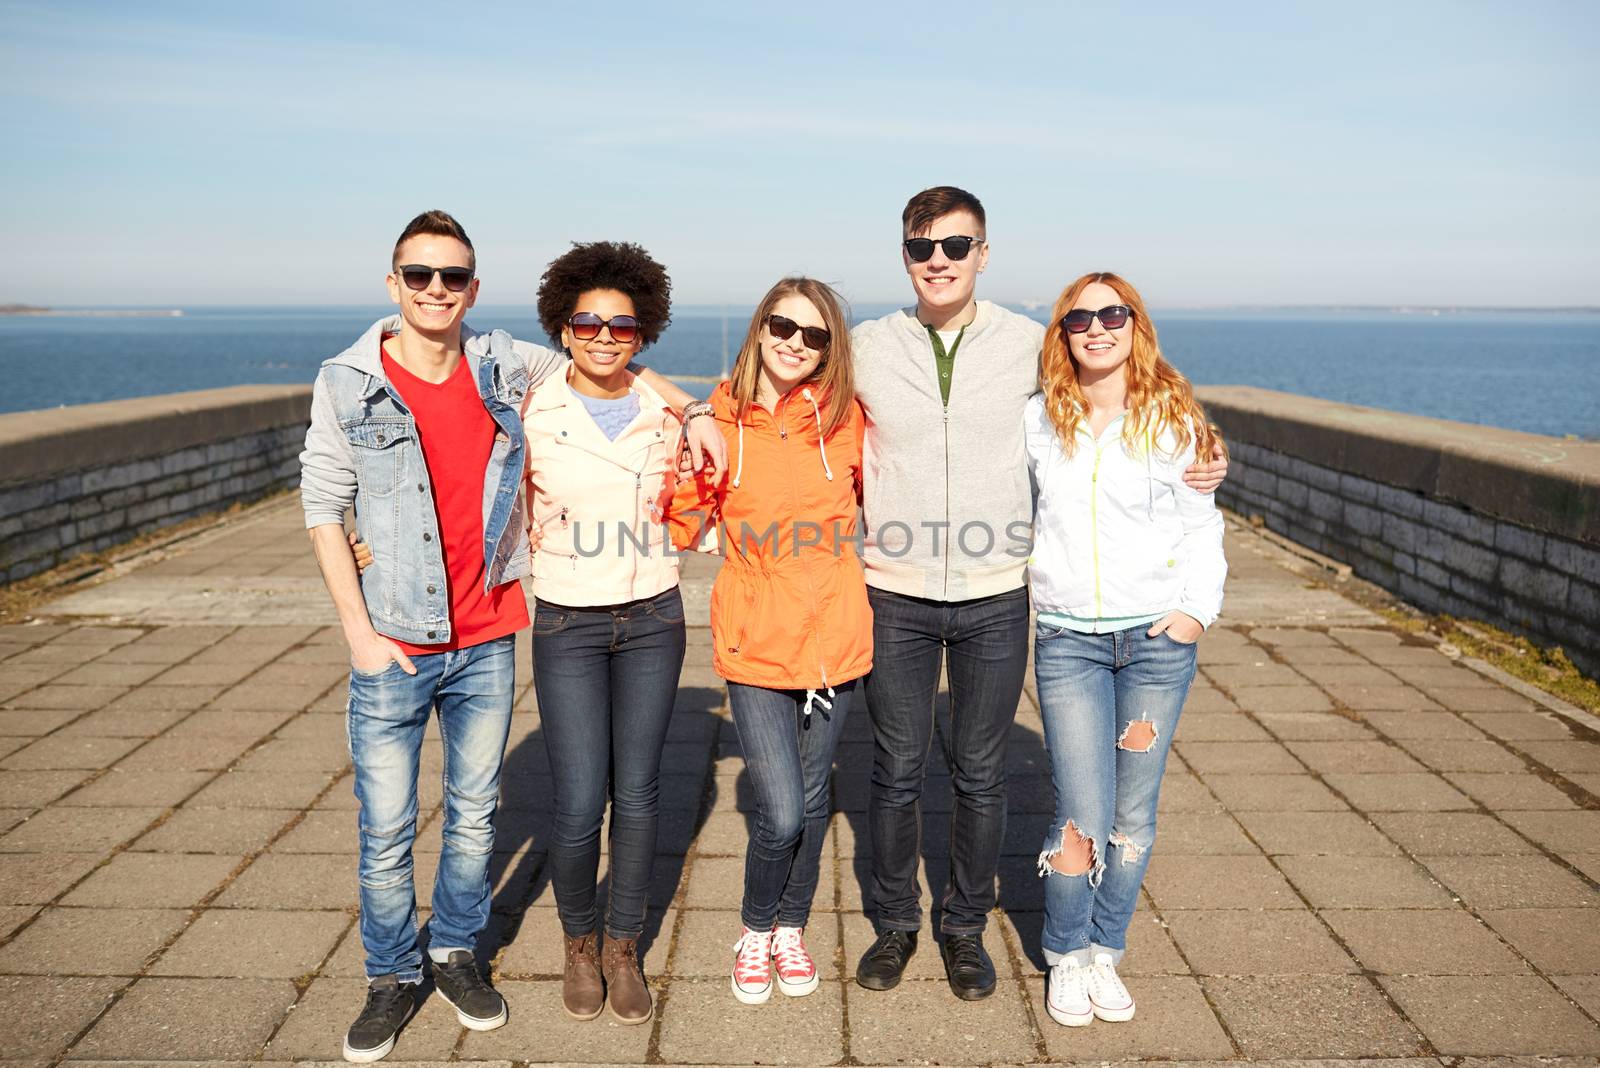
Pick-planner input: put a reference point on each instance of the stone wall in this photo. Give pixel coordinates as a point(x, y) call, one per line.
point(1480, 523)
point(84, 478)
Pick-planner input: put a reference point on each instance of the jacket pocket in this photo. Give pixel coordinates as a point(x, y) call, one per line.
point(381, 448)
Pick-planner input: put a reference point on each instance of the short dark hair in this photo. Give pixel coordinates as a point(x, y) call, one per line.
point(618, 265)
point(932, 204)
point(434, 224)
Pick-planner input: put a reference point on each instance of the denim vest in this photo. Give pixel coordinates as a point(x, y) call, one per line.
point(406, 590)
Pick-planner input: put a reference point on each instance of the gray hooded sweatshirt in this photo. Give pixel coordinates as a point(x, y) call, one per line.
point(947, 501)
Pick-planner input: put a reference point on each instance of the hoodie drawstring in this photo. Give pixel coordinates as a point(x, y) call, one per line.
point(817, 412)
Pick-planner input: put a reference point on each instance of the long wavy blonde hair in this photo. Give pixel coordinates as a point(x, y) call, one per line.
point(835, 373)
point(1159, 397)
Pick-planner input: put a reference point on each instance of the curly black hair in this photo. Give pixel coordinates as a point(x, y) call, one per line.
point(618, 265)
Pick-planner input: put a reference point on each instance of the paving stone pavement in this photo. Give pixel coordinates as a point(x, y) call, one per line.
point(1368, 852)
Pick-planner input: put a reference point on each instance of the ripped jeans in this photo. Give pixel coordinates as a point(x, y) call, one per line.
point(1110, 703)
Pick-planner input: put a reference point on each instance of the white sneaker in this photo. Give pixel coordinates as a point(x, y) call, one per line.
point(1066, 996)
point(1110, 998)
point(752, 967)
point(796, 971)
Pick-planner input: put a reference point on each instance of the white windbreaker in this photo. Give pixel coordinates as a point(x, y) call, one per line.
point(1116, 531)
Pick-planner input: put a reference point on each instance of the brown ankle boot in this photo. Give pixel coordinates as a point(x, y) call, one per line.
point(582, 994)
point(626, 991)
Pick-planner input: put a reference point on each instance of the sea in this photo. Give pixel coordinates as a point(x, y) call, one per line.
point(1537, 371)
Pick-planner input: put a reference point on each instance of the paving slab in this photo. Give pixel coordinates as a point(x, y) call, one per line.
point(1426, 834)
point(66, 829)
point(1512, 882)
point(1177, 882)
point(1299, 833)
point(1559, 941)
point(122, 785)
point(160, 880)
point(1268, 942)
point(233, 831)
point(43, 1014)
point(921, 1021)
point(78, 941)
point(245, 943)
point(1311, 1016)
point(1422, 942)
point(178, 1018)
point(1373, 882)
point(1503, 1014)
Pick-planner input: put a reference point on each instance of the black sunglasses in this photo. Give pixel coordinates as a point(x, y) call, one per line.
point(585, 326)
point(1114, 317)
point(420, 276)
point(920, 249)
point(813, 337)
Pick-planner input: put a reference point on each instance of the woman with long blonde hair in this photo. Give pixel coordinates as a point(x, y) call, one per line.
point(790, 623)
point(1126, 574)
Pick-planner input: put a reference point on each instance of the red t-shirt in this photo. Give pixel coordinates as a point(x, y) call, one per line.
point(457, 437)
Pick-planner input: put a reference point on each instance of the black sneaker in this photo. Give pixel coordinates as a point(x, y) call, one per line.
point(967, 966)
point(885, 960)
point(389, 1005)
point(478, 1005)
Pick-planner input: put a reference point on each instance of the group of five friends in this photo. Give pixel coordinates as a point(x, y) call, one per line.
point(1061, 460)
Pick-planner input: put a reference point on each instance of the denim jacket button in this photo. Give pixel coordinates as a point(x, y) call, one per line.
point(432, 634)
point(381, 439)
point(427, 537)
point(422, 487)
point(433, 589)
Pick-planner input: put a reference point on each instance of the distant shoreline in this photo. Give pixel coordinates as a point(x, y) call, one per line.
point(114, 313)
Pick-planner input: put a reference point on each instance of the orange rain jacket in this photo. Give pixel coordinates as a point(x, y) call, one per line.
point(789, 610)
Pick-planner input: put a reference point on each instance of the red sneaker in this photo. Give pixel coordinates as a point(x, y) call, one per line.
point(752, 967)
point(797, 972)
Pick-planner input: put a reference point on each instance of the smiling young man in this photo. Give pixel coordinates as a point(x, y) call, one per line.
point(419, 426)
point(948, 510)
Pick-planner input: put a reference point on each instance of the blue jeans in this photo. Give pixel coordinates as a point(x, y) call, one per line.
point(606, 679)
point(789, 756)
point(987, 643)
point(472, 689)
point(1102, 697)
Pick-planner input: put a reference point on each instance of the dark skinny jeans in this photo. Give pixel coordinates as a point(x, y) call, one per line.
point(606, 679)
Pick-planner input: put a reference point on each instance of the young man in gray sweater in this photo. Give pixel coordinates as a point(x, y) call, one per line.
point(948, 512)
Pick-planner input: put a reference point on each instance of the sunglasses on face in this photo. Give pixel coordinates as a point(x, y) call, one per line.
point(420, 276)
point(813, 337)
point(585, 326)
point(920, 249)
point(1114, 317)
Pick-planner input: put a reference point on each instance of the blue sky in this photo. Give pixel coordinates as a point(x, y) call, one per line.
point(1216, 154)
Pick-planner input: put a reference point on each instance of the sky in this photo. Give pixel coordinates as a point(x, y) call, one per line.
point(1220, 154)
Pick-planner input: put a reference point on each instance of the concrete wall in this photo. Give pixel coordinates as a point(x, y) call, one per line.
point(1481, 523)
point(83, 478)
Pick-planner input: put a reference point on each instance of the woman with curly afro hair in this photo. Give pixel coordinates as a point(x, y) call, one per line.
point(608, 628)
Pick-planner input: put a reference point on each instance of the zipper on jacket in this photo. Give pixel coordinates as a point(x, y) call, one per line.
point(1094, 525)
point(804, 561)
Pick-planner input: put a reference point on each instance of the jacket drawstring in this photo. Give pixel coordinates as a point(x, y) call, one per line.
point(817, 412)
point(740, 470)
point(825, 702)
